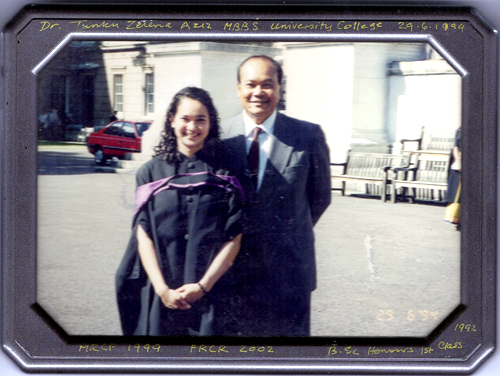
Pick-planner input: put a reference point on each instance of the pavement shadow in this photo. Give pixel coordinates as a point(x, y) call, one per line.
point(64, 163)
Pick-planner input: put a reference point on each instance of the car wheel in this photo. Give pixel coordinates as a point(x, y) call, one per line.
point(100, 157)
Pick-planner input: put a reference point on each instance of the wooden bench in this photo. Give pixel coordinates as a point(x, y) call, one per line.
point(370, 168)
point(431, 142)
point(427, 178)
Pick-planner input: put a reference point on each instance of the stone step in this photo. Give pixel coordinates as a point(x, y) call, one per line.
point(128, 165)
point(131, 163)
point(137, 157)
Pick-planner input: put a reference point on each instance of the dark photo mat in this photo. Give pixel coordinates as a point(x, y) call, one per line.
point(315, 343)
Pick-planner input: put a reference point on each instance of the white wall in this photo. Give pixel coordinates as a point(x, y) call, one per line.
point(364, 95)
point(211, 66)
point(219, 78)
point(371, 87)
point(423, 96)
point(172, 73)
point(319, 89)
point(120, 62)
point(344, 88)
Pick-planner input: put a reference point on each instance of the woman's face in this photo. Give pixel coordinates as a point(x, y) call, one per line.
point(191, 125)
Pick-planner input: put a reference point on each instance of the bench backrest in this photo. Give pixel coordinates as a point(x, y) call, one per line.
point(370, 164)
point(432, 168)
point(439, 140)
point(431, 141)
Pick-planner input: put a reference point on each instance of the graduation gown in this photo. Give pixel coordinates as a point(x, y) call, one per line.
point(195, 207)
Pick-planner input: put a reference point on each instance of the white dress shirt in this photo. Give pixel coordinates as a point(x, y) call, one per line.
point(265, 140)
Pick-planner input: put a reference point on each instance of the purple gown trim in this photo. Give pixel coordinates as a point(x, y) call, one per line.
point(144, 192)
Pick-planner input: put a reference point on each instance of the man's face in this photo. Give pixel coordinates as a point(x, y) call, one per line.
point(258, 89)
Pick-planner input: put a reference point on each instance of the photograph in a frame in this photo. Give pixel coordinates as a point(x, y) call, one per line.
point(254, 189)
point(388, 264)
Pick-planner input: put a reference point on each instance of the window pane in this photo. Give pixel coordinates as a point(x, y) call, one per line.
point(113, 129)
point(128, 130)
point(149, 93)
point(58, 92)
point(118, 88)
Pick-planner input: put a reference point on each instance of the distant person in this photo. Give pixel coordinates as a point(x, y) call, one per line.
point(54, 124)
point(283, 165)
point(186, 230)
point(113, 117)
point(453, 191)
point(43, 125)
point(64, 121)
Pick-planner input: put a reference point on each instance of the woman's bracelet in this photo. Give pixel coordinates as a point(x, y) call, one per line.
point(202, 288)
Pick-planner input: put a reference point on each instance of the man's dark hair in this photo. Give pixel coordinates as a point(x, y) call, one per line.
point(168, 143)
point(277, 67)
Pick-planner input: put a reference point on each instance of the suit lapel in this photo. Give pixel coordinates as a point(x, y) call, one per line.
point(282, 148)
point(284, 140)
point(236, 144)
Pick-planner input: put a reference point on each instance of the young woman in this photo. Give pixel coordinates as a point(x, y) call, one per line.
point(186, 230)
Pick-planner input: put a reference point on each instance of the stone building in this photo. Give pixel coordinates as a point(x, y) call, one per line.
point(68, 84)
point(366, 96)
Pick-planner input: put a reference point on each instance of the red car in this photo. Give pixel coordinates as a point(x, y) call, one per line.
point(117, 139)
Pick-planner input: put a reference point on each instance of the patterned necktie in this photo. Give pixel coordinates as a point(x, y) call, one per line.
point(253, 156)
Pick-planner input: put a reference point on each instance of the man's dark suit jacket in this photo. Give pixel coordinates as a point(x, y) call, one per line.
point(277, 260)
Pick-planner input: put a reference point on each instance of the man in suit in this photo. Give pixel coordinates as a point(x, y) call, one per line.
point(284, 170)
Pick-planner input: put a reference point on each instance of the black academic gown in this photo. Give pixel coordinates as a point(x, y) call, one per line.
point(196, 207)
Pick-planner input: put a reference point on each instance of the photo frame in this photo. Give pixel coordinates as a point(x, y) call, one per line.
point(458, 344)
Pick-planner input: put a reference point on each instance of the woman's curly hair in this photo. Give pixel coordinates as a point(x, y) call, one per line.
point(167, 148)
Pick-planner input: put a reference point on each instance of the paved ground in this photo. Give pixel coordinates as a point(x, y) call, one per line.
point(390, 269)
point(383, 269)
